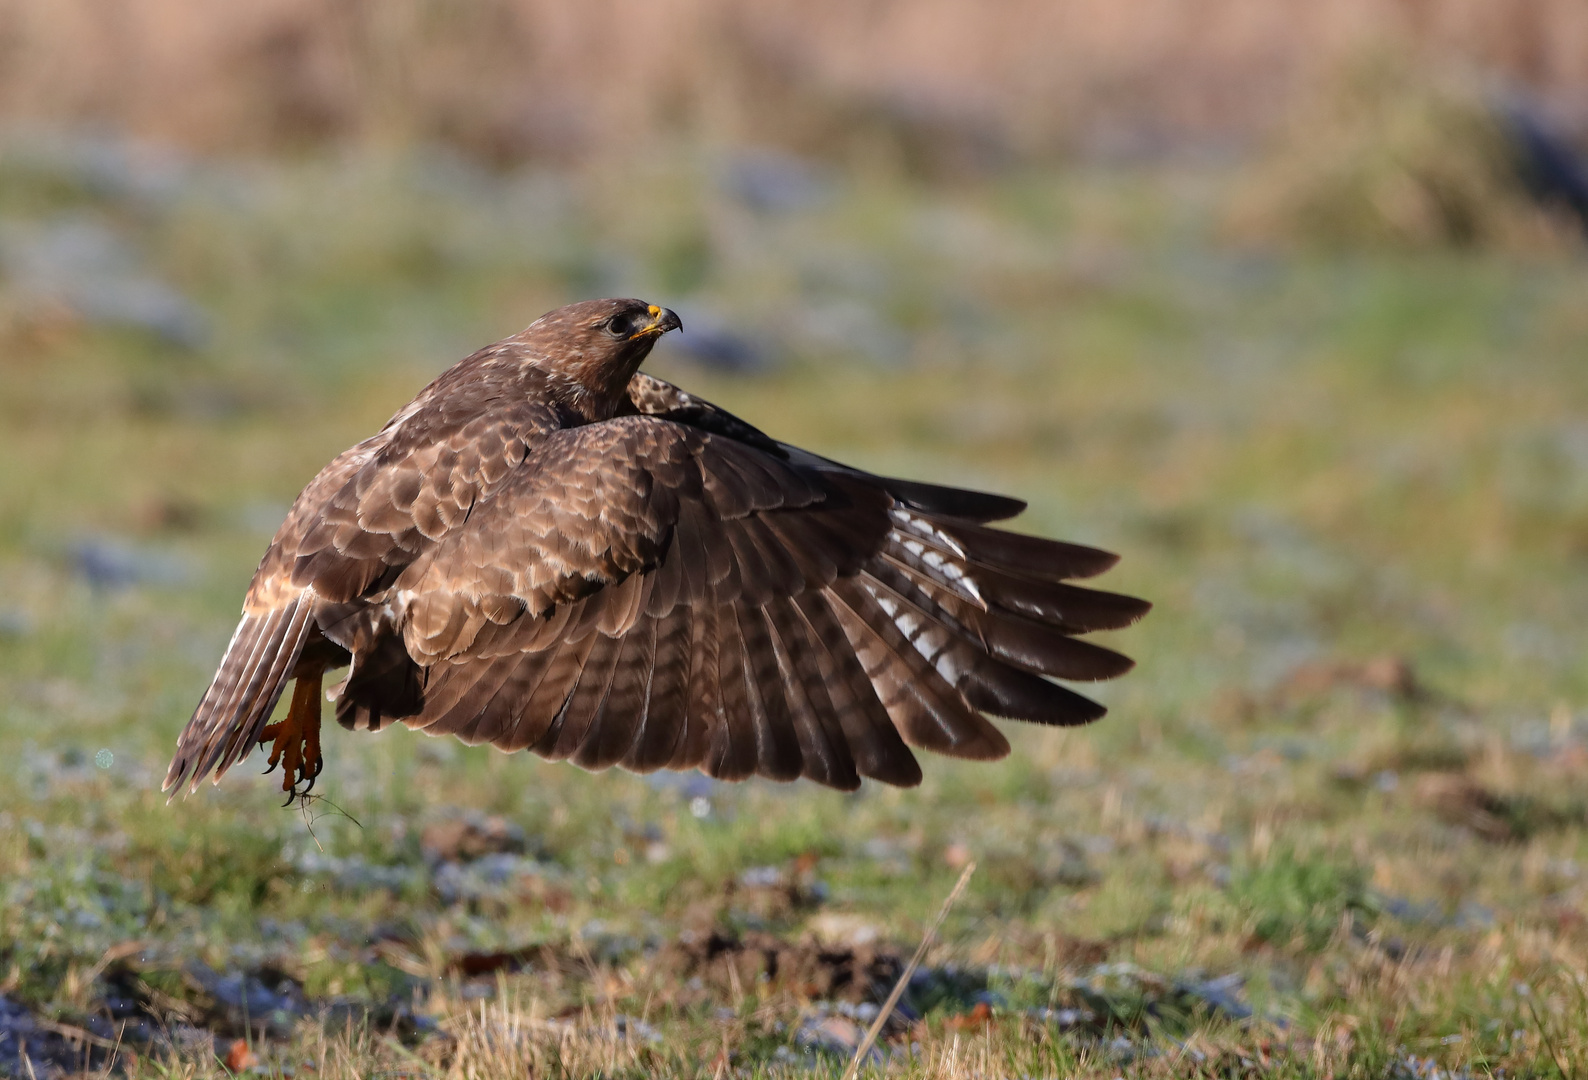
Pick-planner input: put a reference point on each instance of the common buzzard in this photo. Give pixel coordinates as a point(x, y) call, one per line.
point(548, 550)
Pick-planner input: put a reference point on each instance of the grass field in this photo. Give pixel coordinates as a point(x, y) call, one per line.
point(1334, 824)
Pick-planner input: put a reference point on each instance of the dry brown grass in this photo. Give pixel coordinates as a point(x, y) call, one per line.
point(514, 78)
point(1390, 150)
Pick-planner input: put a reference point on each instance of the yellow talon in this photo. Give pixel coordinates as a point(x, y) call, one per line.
point(295, 739)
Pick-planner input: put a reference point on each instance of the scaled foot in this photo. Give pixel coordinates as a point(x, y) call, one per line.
point(295, 739)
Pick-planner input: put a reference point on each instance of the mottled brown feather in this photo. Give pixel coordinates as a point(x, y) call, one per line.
point(874, 742)
point(622, 710)
point(733, 754)
point(824, 750)
point(547, 708)
point(927, 711)
point(657, 741)
point(584, 703)
point(778, 753)
point(701, 697)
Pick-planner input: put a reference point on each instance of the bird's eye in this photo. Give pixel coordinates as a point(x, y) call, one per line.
point(621, 326)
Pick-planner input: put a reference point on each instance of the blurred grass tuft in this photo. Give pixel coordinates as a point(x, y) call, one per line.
point(1300, 899)
point(1393, 153)
point(941, 88)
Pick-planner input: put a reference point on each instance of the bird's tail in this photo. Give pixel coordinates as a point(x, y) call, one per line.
point(225, 726)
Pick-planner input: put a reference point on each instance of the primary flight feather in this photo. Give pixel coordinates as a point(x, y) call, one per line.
point(548, 550)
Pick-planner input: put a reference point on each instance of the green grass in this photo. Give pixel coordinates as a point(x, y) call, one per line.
point(1307, 464)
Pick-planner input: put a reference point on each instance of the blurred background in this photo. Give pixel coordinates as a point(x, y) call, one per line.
point(1284, 301)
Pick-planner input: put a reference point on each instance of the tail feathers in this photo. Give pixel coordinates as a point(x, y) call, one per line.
point(225, 726)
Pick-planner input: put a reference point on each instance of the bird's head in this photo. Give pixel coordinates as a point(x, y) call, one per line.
point(597, 346)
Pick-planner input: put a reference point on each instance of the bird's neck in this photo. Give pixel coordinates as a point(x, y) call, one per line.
point(590, 391)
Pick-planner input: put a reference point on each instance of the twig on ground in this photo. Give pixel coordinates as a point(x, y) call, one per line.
point(305, 801)
point(119, 951)
point(76, 1034)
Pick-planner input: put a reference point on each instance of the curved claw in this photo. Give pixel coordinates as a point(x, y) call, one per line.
point(295, 740)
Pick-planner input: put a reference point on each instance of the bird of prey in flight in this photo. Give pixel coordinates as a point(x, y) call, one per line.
point(548, 550)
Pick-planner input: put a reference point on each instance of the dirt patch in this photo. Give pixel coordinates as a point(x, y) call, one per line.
point(725, 963)
point(1392, 676)
point(471, 836)
point(1458, 799)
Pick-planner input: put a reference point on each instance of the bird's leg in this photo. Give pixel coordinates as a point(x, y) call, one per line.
point(295, 739)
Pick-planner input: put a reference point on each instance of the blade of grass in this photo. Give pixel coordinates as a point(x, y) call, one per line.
point(408, 1055)
point(904, 978)
point(1548, 1038)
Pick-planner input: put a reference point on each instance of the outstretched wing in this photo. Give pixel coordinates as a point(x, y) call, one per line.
point(651, 595)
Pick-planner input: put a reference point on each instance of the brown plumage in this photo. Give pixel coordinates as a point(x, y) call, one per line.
point(548, 550)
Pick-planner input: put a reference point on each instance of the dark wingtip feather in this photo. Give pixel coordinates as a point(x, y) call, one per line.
point(963, 503)
point(897, 768)
point(1020, 695)
point(1137, 606)
point(1042, 649)
point(1033, 556)
point(1073, 608)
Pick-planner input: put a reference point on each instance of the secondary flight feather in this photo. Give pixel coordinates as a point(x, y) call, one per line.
point(549, 550)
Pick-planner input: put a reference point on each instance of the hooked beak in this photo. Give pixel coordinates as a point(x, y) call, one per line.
point(662, 320)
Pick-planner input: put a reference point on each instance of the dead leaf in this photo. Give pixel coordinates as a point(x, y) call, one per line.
point(979, 1017)
point(240, 1058)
